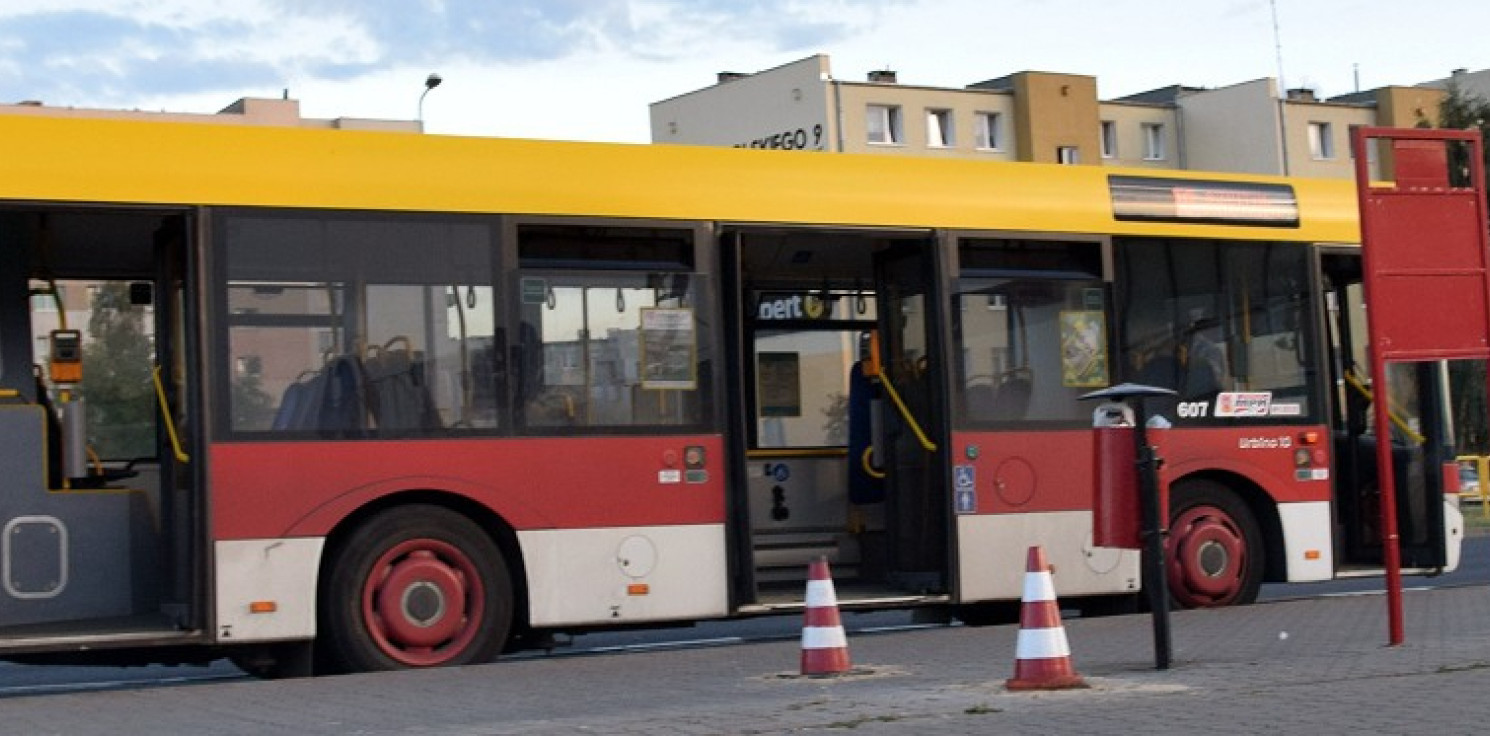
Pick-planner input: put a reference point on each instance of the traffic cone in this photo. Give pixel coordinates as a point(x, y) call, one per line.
point(1042, 658)
point(824, 645)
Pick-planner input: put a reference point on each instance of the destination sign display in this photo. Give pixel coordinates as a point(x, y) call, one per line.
point(1156, 199)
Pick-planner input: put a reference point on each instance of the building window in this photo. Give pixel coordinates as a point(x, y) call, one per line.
point(883, 124)
point(939, 131)
point(1109, 139)
point(249, 365)
point(987, 130)
point(1068, 154)
point(1321, 141)
point(1153, 142)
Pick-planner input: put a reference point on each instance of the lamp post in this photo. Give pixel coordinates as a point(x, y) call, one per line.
point(430, 82)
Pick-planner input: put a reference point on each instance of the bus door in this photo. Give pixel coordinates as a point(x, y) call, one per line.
point(819, 453)
point(1421, 440)
point(97, 507)
point(912, 375)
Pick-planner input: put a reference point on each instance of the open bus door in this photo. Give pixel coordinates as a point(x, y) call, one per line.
point(912, 374)
point(826, 465)
point(1419, 434)
point(97, 505)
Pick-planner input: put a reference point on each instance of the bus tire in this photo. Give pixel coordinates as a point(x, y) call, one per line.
point(1214, 551)
point(414, 586)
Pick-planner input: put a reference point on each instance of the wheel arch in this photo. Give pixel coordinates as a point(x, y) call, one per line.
point(1264, 510)
point(493, 524)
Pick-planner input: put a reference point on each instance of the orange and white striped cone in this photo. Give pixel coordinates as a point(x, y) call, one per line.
point(1042, 659)
point(824, 645)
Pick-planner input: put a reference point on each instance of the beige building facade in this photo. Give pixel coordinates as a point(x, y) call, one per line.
point(246, 111)
point(1249, 127)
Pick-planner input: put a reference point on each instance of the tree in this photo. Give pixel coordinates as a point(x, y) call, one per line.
point(1463, 110)
point(253, 408)
point(117, 360)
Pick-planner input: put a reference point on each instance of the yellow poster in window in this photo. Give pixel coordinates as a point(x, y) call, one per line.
point(1083, 349)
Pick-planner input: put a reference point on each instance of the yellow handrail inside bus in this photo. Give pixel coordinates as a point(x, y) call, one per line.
point(905, 413)
point(867, 460)
point(165, 413)
point(95, 459)
point(1355, 383)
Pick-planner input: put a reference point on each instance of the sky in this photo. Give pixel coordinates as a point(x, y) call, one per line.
point(587, 69)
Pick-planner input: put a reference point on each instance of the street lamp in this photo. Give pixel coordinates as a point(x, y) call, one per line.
point(430, 82)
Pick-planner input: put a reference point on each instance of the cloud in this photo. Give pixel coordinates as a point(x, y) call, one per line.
point(118, 52)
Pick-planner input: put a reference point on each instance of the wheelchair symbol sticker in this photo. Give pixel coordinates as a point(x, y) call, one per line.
point(962, 477)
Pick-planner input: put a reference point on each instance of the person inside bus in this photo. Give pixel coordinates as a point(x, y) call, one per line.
point(1158, 363)
point(1204, 358)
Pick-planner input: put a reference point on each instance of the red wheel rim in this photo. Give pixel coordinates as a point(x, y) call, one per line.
point(1207, 557)
point(423, 602)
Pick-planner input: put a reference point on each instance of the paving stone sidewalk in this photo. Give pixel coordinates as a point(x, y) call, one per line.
point(1317, 666)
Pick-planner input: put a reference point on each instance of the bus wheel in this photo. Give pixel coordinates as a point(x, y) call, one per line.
point(415, 586)
point(1214, 552)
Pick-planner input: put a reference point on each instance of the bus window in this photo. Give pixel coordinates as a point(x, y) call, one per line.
point(801, 387)
point(359, 326)
point(1030, 326)
point(117, 358)
point(1211, 317)
point(805, 344)
point(618, 347)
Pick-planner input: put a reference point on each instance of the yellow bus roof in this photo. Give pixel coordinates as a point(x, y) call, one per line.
point(60, 159)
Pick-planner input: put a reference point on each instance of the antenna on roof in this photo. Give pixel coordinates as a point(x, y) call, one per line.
point(1282, 98)
point(1277, 43)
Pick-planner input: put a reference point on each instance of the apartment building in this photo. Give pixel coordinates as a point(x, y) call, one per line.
point(1037, 116)
point(246, 111)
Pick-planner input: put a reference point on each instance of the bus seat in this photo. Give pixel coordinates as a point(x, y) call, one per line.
point(980, 402)
point(341, 407)
point(292, 406)
point(1013, 398)
point(398, 393)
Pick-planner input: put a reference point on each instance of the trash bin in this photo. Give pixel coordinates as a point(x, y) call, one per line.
point(1115, 503)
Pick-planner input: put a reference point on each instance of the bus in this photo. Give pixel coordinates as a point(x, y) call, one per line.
point(335, 401)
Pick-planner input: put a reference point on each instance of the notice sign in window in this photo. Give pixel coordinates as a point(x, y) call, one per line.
point(779, 384)
point(669, 349)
